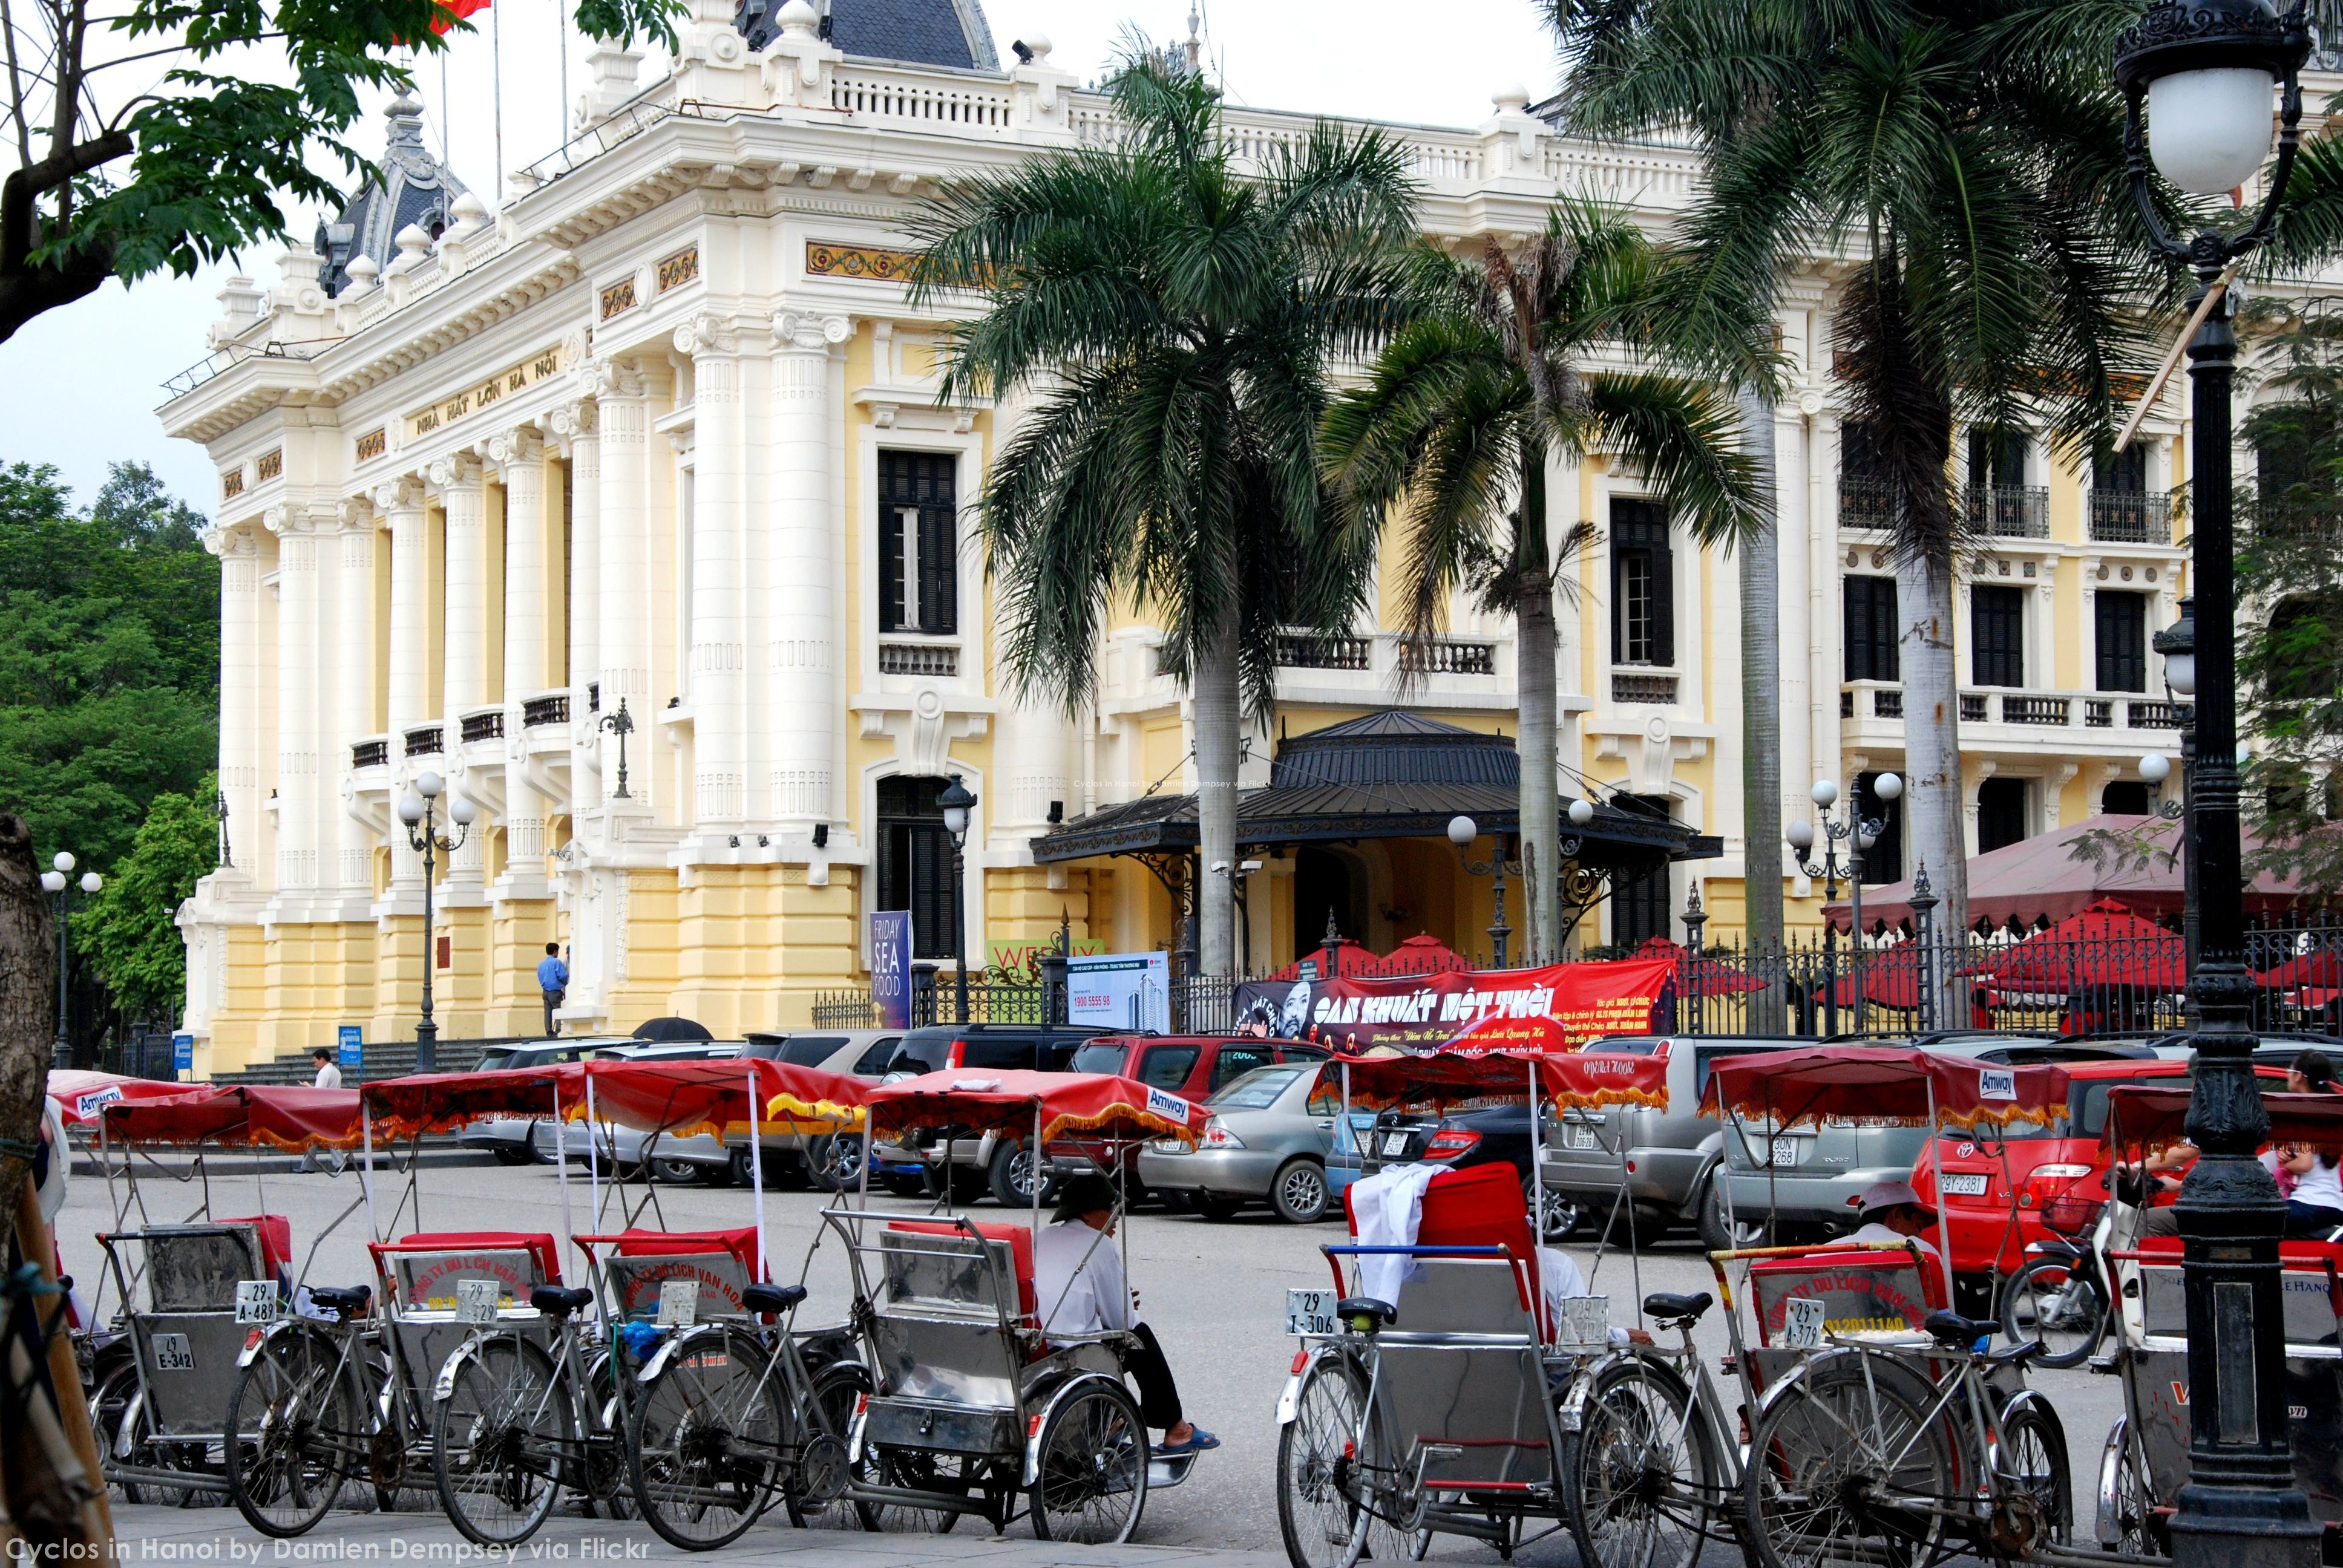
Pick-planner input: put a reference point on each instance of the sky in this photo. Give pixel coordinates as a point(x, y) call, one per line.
point(79, 385)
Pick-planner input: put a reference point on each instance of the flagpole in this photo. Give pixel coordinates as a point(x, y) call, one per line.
point(496, 90)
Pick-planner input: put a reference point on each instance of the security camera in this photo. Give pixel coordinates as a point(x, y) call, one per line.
point(1247, 868)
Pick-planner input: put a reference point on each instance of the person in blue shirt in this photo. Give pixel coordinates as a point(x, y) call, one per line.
point(553, 980)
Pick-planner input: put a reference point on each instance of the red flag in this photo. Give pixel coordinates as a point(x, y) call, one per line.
point(456, 10)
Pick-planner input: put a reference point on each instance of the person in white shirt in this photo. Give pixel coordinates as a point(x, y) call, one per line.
point(1078, 1278)
point(1559, 1280)
point(329, 1075)
point(1892, 1212)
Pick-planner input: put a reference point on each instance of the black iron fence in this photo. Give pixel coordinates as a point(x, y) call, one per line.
point(1201, 1004)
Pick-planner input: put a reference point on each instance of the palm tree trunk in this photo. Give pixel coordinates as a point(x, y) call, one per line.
point(1761, 707)
point(1932, 755)
point(1219, 717)
point(1534, 687)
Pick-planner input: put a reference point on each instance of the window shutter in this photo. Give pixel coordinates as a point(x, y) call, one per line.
point(1618, 601)
point(939, 569)
point(1664, 598)
point(1996, 628)
point(2122, 632)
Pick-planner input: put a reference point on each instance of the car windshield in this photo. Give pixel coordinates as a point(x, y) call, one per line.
point(811, 1049)
point(920, 1055)
point(491, 1061)
point(1101, 1056)
point(1256, 1091)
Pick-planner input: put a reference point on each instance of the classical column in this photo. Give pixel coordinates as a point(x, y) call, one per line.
point(519, 456)
point(353, 710)
point(296, 701)
point(804, 649)
point(464, 496)
point(402, 502)
point(624, 638)
point(239, 744)
point(578, 426)
point(719, 557)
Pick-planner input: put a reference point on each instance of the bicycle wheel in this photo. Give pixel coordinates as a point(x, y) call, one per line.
point(1331, 1477)
point(2127, 1522)
point(2064, 1309)
point(1089, 1482)
point(1845, 1468)
point(2033, 1496)
point(1637, 1475)
point(704, 1440)
point(497, 1441)
point(813, 1487)
point(292, 1432)
point(117, 1417)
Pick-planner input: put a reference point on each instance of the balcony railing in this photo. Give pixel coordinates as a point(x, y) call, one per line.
point(2098, 713)
point(426, 741)
point(539, 711)
point(1449, 659)
point(2131, 517)
point(918, 658)
point(1861, 699)
point(1647, 691)
point(484, 725)
point(1304, 652)
point(375, 753)
point(1866, 503)
point(2034, 709)
point(2010, 511)
point(2141, 714)
point(1972, 709)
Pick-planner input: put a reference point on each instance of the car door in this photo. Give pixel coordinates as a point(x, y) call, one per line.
point(1169, 1067)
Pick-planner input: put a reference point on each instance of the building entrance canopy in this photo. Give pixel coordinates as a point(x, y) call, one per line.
point(1390, 774)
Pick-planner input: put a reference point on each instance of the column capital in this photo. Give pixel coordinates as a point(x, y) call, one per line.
point(458, 469)
point(521, 444)
point(572, 420)
point(706, 334)
point(231, 539)
point(616, 379)
point(808, 332)
point(287, 518)
point(402, 494)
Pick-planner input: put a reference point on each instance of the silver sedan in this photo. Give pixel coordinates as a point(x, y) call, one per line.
point(1271, 1137)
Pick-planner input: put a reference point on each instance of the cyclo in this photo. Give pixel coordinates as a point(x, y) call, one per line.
point(974, 1409)
point(2145, 1462)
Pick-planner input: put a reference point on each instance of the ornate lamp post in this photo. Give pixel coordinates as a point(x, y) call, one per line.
point(56, 883)
point(620, 724)
point(958, 802)
point(418, 809)
point(2178, 644)
point(1461, 831)
point(2207, 72)
point(1859, 833)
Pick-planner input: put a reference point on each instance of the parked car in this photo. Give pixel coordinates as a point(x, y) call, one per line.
point(511, 1139)
point(831, 1162)
point(701, 1157)
point(1805, 1177)
point(1193, 1066)
point(1271, 1137)
point(1488, 1135)
point(861, 1053)
point(965, 1162)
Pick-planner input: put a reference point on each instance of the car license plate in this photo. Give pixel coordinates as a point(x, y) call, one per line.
point(1960, 1185)
point(1395, 1144)
point(1786, 1151)
point(1577, 1137)
point(172, 1353)
point(1310, 1312)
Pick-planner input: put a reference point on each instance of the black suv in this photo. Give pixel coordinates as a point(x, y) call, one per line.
point(1001, 1046)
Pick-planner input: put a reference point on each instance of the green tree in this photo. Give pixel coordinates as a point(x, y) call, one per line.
point(171, 173)
point(1467, 405)
point(129, 931)
point(1171, 319)
point(1970, 157)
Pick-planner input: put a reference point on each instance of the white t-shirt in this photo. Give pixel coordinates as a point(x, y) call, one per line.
point(1079, 1285)
point(2322, 1186)
point(1559, 1280)
point(1876, 1232)
point(328, 1077)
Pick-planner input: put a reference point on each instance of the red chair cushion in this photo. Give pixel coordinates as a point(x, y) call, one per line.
point(742, 1243)
point(276, 1240)
point(1020, 1250)
point(1479, 1206)
point(537, 1242)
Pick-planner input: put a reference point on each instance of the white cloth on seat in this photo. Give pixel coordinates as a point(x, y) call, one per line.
point(1077, 1281)
point(1388, 1207)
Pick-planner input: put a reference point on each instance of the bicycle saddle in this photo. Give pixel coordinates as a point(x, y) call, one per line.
point(1674, 1309)
point(771, 1298)
point(1366, 1307)
point(1956, 1330)
point(342, 1300)
point(558, 1300)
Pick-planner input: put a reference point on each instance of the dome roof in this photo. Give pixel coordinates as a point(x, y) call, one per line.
point(949, 32)
point(409, 186)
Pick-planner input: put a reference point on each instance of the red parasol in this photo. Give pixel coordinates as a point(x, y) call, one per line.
point(285, 1116)
point(1007, 1101)
point(2143, 1116)
point(1579, 1079)
point(682, 1097)
point(425, 1102)
point(2322, 968)
point(1881, 1083)
point(2105, 945)
point(82, 1092)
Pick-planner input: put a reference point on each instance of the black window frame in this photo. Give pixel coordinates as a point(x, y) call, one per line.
point(1641, 549)
point(914, 870)
point(927, 484)
point(2004, 813)
point(1996, 634)
point(2119, 640)
point(1871, 624)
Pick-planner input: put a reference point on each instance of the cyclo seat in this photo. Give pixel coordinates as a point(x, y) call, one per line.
point(1366, 1307)
point(342, 1300)
point(1669, 1307)
point(1953, 1330)
point(558, 1300)
point(771, 1298)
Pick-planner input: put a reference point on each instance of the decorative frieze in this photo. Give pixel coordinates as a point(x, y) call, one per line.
point(678, 269)
point(270, 465)
point(824, 259)
point(232, 483)
point(539, 367)
point(619, 297)
point(371, 446)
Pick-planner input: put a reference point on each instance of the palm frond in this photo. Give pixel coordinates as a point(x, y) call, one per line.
point(1683, 436)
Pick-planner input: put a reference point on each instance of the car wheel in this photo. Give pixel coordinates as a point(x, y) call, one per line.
point(544, 1148)
point(1716, 1234)
point(1011, 1176)
point(1213, 1206)
point(1562, 1212)
point(514, 1154)
point(1299, 1193)
point(676, 1173)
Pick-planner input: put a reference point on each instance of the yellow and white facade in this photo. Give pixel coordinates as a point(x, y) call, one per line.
point(620, 442)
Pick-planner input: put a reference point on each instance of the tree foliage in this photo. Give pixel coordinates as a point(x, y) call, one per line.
point(129, 931)
point(118, 182)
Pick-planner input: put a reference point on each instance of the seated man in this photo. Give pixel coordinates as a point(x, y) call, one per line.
point(1559, 1280)
point(1892, 1212)
point(1077, 1279)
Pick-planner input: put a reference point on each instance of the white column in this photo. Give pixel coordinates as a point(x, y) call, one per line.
point(719, 714)
point(519, 456)
point(1801, 447)
point(624, 638)
point(296, 701)
point(582, 612)
point(353, 710)
point(409, 576)
point(239, 746)
point(464, 496)
point(804, 652)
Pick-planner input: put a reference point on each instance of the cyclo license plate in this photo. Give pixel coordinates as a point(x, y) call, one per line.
point(1310, 1312)
point(172, 1353)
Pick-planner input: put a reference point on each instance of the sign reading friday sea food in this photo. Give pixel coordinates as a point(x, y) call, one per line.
point(538, 367)
point(1421, 1014)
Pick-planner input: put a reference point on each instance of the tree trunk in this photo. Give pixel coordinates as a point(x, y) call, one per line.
point(28, 997)
point(1534, 687)
point(1932, 756)
point(1761, 707)
point(1219, 726)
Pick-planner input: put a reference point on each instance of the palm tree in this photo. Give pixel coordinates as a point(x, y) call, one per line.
point(1171, 319)
point(1970, 157)
point(1452, 432)
point(1760, 582)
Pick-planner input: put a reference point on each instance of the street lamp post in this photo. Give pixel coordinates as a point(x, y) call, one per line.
point(418, 809)
point(57, 884)
point(1461, 831)
point(958, 802)
point(620, 724)
point(1858, 833)
point(2178, 644)
point(2204, 72)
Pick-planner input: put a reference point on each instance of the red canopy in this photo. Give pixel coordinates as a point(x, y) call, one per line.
point(681, 1097)
point(2105, 945)
point(425, 1102)
point(82, 1092)
point(2145, 1116)
point(1579, 1079)
point(284, 1116)
point(1007, 1101)
point(2321, 967)
point(1882, 1083)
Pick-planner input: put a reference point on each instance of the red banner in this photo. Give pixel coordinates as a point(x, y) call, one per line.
point(1557, 1007)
